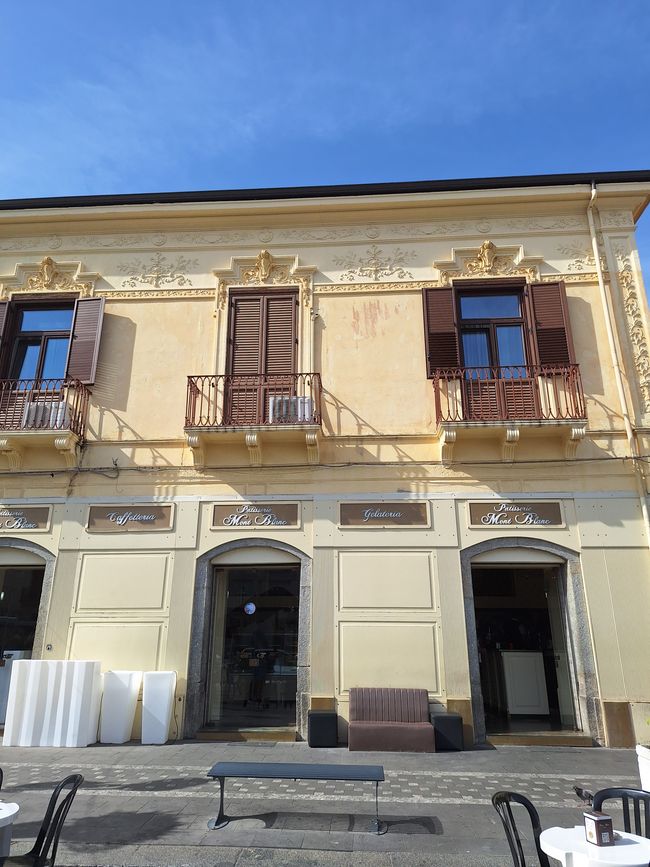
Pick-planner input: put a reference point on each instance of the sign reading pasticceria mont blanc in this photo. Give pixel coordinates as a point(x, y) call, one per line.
point(383, 515)
point(24, 518)
point(505, 514)
point(121, 519)
point(254, 515)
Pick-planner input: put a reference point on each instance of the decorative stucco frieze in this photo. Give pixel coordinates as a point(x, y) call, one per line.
point(488, 261)
point(616, 219)
point(581, 257)
point(375, 264)
point(158, 271)
point(157, 294)
point(367, 288)
point(635, 321)
point(49, 276)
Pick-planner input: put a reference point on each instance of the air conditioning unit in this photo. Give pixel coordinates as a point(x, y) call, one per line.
point(291, 410)
point(46, 415)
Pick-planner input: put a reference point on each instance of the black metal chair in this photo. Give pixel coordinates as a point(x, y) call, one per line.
point(501, 802)
point(43, 852)
point(640, 801)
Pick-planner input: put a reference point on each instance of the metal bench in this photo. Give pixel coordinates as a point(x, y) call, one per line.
point(295, 771)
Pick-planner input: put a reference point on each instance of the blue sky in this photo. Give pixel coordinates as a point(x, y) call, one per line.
point(138, 96)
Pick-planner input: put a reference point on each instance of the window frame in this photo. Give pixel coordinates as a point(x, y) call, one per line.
point(17, 337)
point(490, 324)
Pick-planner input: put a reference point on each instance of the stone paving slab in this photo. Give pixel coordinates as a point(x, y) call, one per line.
point(145, 806)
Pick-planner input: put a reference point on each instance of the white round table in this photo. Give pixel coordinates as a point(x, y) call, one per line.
point(570, 846)
point(8, 813)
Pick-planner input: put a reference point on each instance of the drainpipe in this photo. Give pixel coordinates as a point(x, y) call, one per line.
point(618, 376)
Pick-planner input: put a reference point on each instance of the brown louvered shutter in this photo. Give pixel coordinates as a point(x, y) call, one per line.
point(440, 329)
point(84, 340)
point(245, 333)
point(551, 323)
point(4, 322)
point(280, 334)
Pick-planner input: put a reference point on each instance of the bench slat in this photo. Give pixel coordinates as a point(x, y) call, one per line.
point(298, 771)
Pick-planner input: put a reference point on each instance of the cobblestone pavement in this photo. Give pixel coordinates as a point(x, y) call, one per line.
point(150, 805)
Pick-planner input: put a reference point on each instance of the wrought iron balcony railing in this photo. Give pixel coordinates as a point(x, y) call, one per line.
point(521, 393)
point(273, 400)
point(43, 405)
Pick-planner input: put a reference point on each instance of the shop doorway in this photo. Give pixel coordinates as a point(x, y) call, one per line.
point(523, 648)
point(20, 596)
point(254, 647)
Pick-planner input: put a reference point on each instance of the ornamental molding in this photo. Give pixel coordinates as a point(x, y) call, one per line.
point(367, 288)
point(265, 269)
point(488, 261)
point(581, 258)
point(49, 276)
point(312, 235)
point(375, 265)
point(635, 322)
point(616, 219)
point(158, 271)
point(154, 294)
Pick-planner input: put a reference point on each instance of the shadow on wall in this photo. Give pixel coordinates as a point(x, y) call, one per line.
point(111, 389)
point(584, 335)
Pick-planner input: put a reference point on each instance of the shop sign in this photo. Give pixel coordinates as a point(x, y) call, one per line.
point(127, 519)
point(23, 518)
point(252, 516)
point(505, 514)
point(383, 515)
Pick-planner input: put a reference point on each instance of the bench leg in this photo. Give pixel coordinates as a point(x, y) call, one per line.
point(378, 826)
point(222, 820)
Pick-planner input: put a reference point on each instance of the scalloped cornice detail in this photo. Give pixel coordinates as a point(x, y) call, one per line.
point(49, 276)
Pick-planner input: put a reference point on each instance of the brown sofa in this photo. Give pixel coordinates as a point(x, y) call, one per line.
point(390, 720)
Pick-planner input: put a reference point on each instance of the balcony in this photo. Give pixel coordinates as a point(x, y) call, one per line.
point(510, 398)
point(276, 408)
point(43, 414)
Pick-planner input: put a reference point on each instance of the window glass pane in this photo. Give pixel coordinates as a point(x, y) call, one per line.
point(510, 344)
point(26, 361)
point(56, 353)
point(489, 306)
point(52, 319)
point(476, 352)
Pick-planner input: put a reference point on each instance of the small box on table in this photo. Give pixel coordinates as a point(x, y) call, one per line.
point(599, 829)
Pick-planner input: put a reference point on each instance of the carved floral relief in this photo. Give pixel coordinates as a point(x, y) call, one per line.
point(375, 265)
point(158, 271)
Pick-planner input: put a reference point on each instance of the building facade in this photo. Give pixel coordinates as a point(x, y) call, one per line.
point(288, 442)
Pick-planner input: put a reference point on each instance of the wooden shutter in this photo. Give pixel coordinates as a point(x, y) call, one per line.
point(280, 334)
point(5, 341)
point(441, 334)
point(84, 339)
point(245, 333)
point(551, 323)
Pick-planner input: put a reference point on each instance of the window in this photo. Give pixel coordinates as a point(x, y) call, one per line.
point(262, 342)
point(492, 334)
point(40, 349)
point(498, 346)
point(489, 324)
point(50, 339)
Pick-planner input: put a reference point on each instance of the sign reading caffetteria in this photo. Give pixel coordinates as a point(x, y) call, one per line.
point(120, 519)
point(383, 515)
point(505, 514)
point(24, 518)
point(254, 515)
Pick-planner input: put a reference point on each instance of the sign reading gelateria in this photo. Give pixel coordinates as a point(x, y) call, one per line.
point(383, 515)
point(121, 519)
point(14, 518)
point(505, 514)
point(254, 515)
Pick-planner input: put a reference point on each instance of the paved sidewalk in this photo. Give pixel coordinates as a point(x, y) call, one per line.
point(147, 806)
